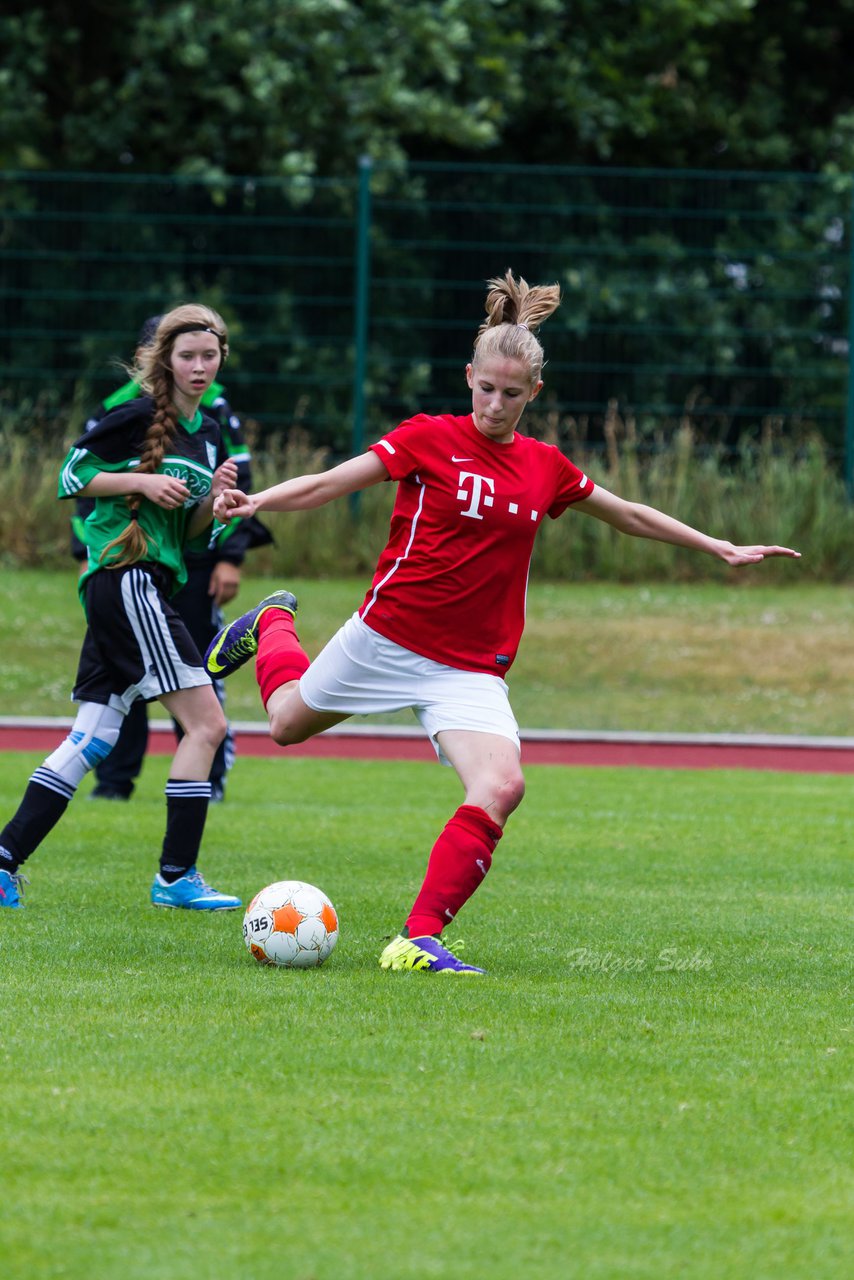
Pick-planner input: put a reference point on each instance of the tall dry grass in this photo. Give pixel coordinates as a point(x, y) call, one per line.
point(770, 489)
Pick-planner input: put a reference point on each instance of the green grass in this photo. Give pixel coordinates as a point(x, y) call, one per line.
point(721, 657)
point(174, 1110)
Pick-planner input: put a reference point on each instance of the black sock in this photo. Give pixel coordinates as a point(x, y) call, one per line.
point(186, 811)
point(43, 804)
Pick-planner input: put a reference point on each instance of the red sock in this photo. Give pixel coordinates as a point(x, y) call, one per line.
point(280, 658)
point(458, 863)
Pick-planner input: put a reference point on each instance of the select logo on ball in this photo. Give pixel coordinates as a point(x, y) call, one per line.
point(290, 924)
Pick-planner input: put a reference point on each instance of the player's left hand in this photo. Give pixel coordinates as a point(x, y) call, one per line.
point(225, 477)
point(737, 556)
point(224, 582)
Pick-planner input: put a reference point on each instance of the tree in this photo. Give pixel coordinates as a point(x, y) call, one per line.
point(677, 291)
point(263, 87)
point(692, 83)
point(301, 87)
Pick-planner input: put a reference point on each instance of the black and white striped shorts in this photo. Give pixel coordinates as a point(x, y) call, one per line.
point(136, 644)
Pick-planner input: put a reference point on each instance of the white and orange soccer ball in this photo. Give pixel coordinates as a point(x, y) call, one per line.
point(290, 924)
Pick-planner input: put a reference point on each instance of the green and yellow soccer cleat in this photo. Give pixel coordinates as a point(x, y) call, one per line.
point(426, 954)
point(237, 643)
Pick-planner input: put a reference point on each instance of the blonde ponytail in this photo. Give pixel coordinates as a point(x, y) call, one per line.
point(514, 312)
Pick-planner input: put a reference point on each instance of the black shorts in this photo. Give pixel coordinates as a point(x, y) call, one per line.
point(136, 644)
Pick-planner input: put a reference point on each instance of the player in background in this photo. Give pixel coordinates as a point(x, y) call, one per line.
point(213, 579)
point(441, 622)
point(153, 466)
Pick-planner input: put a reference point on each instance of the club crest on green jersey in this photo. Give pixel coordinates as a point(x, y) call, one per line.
point(197, 479)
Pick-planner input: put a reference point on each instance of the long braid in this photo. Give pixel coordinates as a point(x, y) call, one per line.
point(132, 544)
point(164, 426)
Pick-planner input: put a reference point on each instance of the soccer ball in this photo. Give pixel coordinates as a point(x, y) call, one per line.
point(290, 924)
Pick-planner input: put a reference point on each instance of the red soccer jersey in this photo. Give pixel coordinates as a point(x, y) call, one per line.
point(452, 580)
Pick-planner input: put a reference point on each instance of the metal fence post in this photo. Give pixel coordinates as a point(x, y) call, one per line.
point(849, 399)
point(361, 305)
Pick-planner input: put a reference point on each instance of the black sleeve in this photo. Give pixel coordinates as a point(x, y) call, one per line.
point(246, 534)
point(120, 434)
point(83, 507)
point(234, 440)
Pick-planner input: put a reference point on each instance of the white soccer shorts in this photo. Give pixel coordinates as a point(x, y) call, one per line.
point(361, 673)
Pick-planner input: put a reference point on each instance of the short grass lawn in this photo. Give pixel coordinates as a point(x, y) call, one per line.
point(740, 656)
point(653, 1081)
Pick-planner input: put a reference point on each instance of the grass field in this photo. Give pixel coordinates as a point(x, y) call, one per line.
point(734, 656)
point(653, 1081)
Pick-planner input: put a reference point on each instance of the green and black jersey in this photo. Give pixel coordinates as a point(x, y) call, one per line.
point(115, 444)
point(234, 539)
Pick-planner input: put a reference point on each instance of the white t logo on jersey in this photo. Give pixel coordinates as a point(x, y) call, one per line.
point(477, 494)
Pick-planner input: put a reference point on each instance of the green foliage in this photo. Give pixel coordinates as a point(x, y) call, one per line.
point(717, 299)
point(685, 84)
point(724, 297)
point(713, 298)
point(653, 1080)
point(248, 86)
point(299, 87)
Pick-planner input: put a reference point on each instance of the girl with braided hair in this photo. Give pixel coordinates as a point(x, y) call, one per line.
point(154, 466)
point(441, 622)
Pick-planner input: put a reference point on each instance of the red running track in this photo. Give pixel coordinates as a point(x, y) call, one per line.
point(795, 755)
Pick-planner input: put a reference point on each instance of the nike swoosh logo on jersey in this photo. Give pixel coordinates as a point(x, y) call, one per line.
point(455, 459)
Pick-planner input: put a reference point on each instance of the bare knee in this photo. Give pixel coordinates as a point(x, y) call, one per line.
point(283, 733)
point(284, 728)
point(210, 730)
point(499, 797)
point(291, 721)
point(512, 794)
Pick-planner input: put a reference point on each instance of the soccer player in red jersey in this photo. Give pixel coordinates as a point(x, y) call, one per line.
point(441, 622)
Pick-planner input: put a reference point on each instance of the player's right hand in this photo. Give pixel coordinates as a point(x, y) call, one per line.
point(163, 490)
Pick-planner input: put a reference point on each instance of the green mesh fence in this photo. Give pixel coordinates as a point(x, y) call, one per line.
point(721, 297)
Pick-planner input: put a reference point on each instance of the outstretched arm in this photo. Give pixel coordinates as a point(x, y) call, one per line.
point(647, 522)
point(304, 492)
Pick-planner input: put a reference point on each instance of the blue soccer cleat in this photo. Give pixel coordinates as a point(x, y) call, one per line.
point(424, 954)
point(11, 888)
point(192, 892)
point(237, 643)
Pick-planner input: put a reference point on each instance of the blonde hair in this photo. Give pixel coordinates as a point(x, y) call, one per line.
point(152, 371)
point(514, 311)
